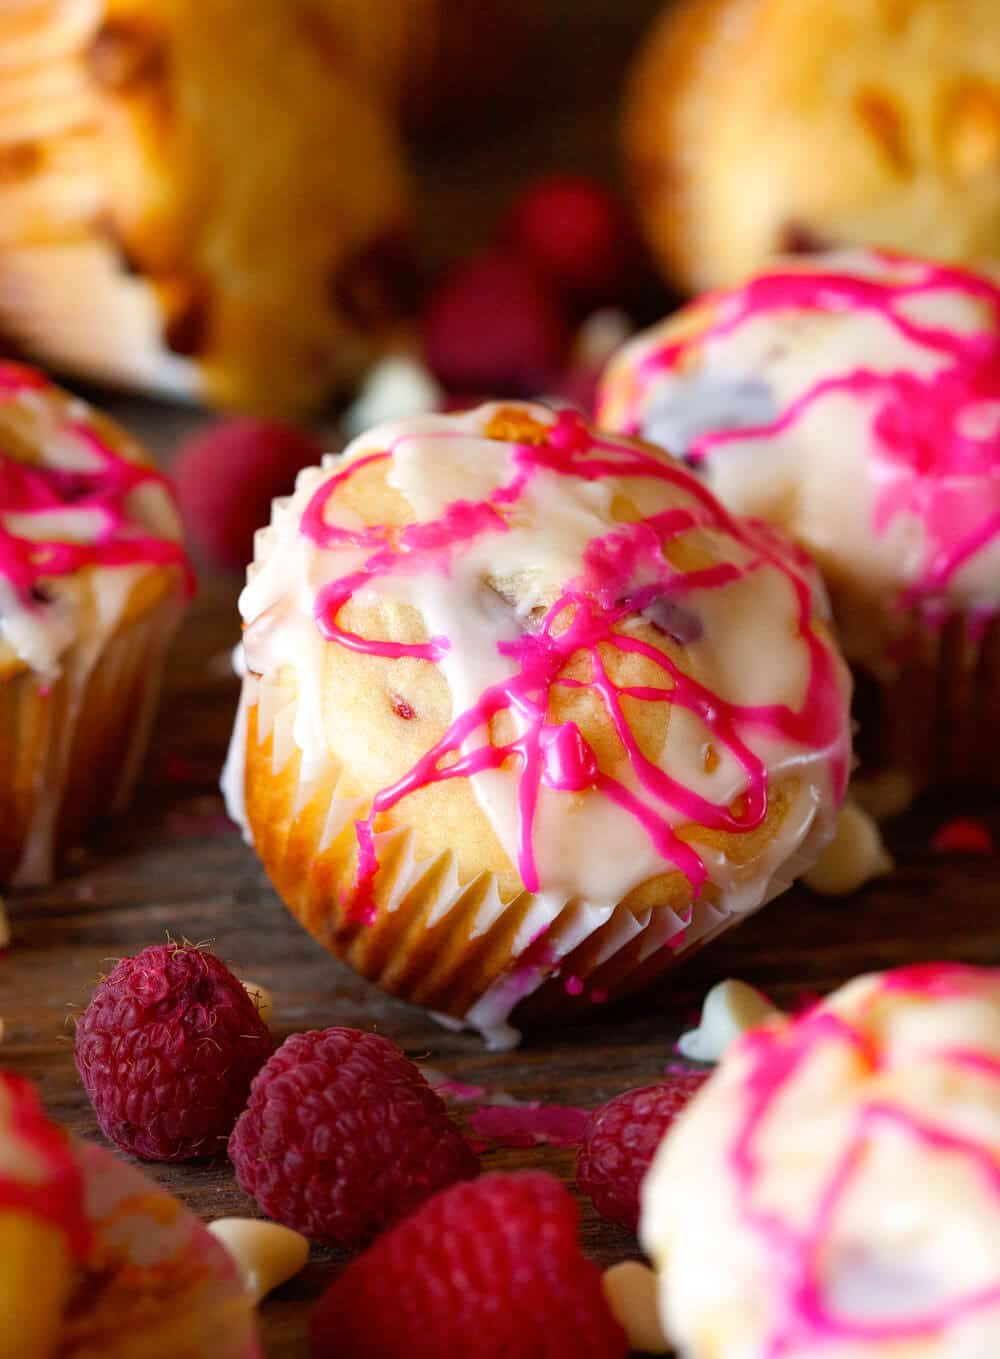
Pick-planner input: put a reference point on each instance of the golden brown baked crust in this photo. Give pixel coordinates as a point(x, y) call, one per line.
point(754, 127)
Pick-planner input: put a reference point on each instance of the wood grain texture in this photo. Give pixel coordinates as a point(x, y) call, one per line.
point(174, 864)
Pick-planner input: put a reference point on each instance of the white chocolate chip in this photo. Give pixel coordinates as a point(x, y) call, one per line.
point(602, 334)
point(261, 997)
point(884, 794)
point(397, 387)
point(853, 857)
point(265, 1253)
point(4, 925)
point(631, 1291)
point(730, 1009)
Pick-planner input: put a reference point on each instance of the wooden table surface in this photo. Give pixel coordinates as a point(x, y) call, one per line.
point(174, 864)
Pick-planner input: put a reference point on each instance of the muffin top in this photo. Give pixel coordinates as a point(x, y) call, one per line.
point(569, 626)
point(83, 518)
point(835, 1188)
point(754, 127)
point(853, 400)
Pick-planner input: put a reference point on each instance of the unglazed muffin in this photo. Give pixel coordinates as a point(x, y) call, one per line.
point(526, 713)
point(834, 1189)
point(93, 580)
point(853, 401)
point(197, 198)
point(754, 127)
point(98, 1261)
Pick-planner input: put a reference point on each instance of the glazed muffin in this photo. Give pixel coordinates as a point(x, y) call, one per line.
point(527, 714)
point(96, 1260)
point(755, 127)
point(852, 400)
point(180, 211)
point(93, 580)
point(835, 1187)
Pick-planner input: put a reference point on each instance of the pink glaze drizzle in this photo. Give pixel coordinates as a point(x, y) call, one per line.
point(58, 1198)
point(27, 489)
point(583, 621)
point(528, 1125)
point(931, 462)
point(806, 1319)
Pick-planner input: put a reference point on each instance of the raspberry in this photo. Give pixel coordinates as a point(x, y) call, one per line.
point(342, 1136)
point(493, 325)
point(491, 1269)
point(227, 476)
point(576, 233)
point(167, 1049)
point(965, 835)
point(621, 1140)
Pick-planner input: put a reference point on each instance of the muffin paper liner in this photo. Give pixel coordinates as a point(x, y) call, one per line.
point(935, 716)
point(455, 947)
point(70, 749)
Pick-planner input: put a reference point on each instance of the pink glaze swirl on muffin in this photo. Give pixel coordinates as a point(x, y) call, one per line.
point(525, 699)
point(854, 400)
point(95, 1259)
point(835, 1188)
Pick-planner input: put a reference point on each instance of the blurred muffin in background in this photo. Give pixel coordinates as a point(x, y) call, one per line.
point(196, 198)
point(755, 127)
point(852, 399)
point(93, 582)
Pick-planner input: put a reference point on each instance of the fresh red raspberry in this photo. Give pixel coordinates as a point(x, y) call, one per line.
point(621, 1140)
point(965, 835)
point(167, 1049)
point(227, 476)
point(577, 234)
point(490, 1269)
point(342, 1136)
point(494, 326)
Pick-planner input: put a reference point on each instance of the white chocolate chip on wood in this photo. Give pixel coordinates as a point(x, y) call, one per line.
point(265, 1253)
point(730, 1009)
point(854, 856)
point(632, 1294)
point(261, 997)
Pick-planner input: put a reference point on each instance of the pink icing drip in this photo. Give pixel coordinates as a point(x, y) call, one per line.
point(929, 462)
point(582, 623)
point(527, 1125)
point(806, 1318)
point(101, 491)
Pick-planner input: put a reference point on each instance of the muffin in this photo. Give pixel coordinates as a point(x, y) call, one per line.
point(852, 400)
point(181, 211)
point(526, 713)
point(97, 1260)
point(834, 1188)
point(755, 127)
point(93, 580)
